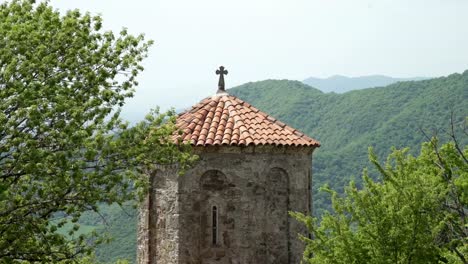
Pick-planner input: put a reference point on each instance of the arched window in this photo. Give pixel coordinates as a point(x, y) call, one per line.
point(214, 225)
point(213, 186)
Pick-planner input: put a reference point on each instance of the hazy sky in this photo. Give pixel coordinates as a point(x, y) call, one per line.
point(277, 39)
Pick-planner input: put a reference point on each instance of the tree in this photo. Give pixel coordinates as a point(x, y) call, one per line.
point(63, 147)
point(416, 214)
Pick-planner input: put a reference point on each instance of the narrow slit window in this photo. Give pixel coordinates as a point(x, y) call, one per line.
point(214, 221)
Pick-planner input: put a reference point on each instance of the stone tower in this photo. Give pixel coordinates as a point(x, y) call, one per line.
point(232, 206)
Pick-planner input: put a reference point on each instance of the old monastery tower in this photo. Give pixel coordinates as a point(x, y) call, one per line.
point(232, 206)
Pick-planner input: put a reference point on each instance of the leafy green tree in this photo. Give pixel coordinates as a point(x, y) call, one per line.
point(416, 214)
point(63, 147)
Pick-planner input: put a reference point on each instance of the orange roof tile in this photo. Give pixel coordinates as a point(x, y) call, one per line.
point(226, 120)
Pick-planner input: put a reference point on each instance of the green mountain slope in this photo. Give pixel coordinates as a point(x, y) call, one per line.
point(346, 124)
point(119, 223)
point(341, 84)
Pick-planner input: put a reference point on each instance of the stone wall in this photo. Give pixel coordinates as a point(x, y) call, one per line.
point(252, 188)
point(158, 227)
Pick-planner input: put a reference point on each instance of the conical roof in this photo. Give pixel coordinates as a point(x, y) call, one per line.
point(224, 119)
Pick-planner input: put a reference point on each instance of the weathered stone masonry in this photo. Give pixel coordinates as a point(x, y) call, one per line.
point(253, 189)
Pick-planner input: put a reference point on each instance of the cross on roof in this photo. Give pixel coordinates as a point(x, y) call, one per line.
point(221, 72)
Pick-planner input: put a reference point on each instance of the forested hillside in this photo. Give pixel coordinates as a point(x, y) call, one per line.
point(342, 84)
point(345, 124)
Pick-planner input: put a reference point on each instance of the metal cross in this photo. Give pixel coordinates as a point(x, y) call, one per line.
point(221, 72)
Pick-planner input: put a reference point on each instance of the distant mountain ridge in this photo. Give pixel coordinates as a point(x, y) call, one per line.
point(342, 84)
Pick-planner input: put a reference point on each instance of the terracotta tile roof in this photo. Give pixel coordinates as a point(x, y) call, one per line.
point(226, 120)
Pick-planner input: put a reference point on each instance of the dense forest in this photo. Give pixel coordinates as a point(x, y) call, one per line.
point(345, 124)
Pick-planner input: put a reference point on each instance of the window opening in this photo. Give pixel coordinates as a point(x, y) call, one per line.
point(214, 221)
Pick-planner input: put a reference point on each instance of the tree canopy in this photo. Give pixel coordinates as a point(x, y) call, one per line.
point(416, 214)
point(63, 147)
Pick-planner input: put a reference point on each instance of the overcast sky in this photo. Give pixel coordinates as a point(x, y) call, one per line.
point(282, 39)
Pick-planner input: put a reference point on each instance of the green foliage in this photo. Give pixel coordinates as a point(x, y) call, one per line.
point(346, 124)
point(119, 222)
point(415, 215)
point(63, 148)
